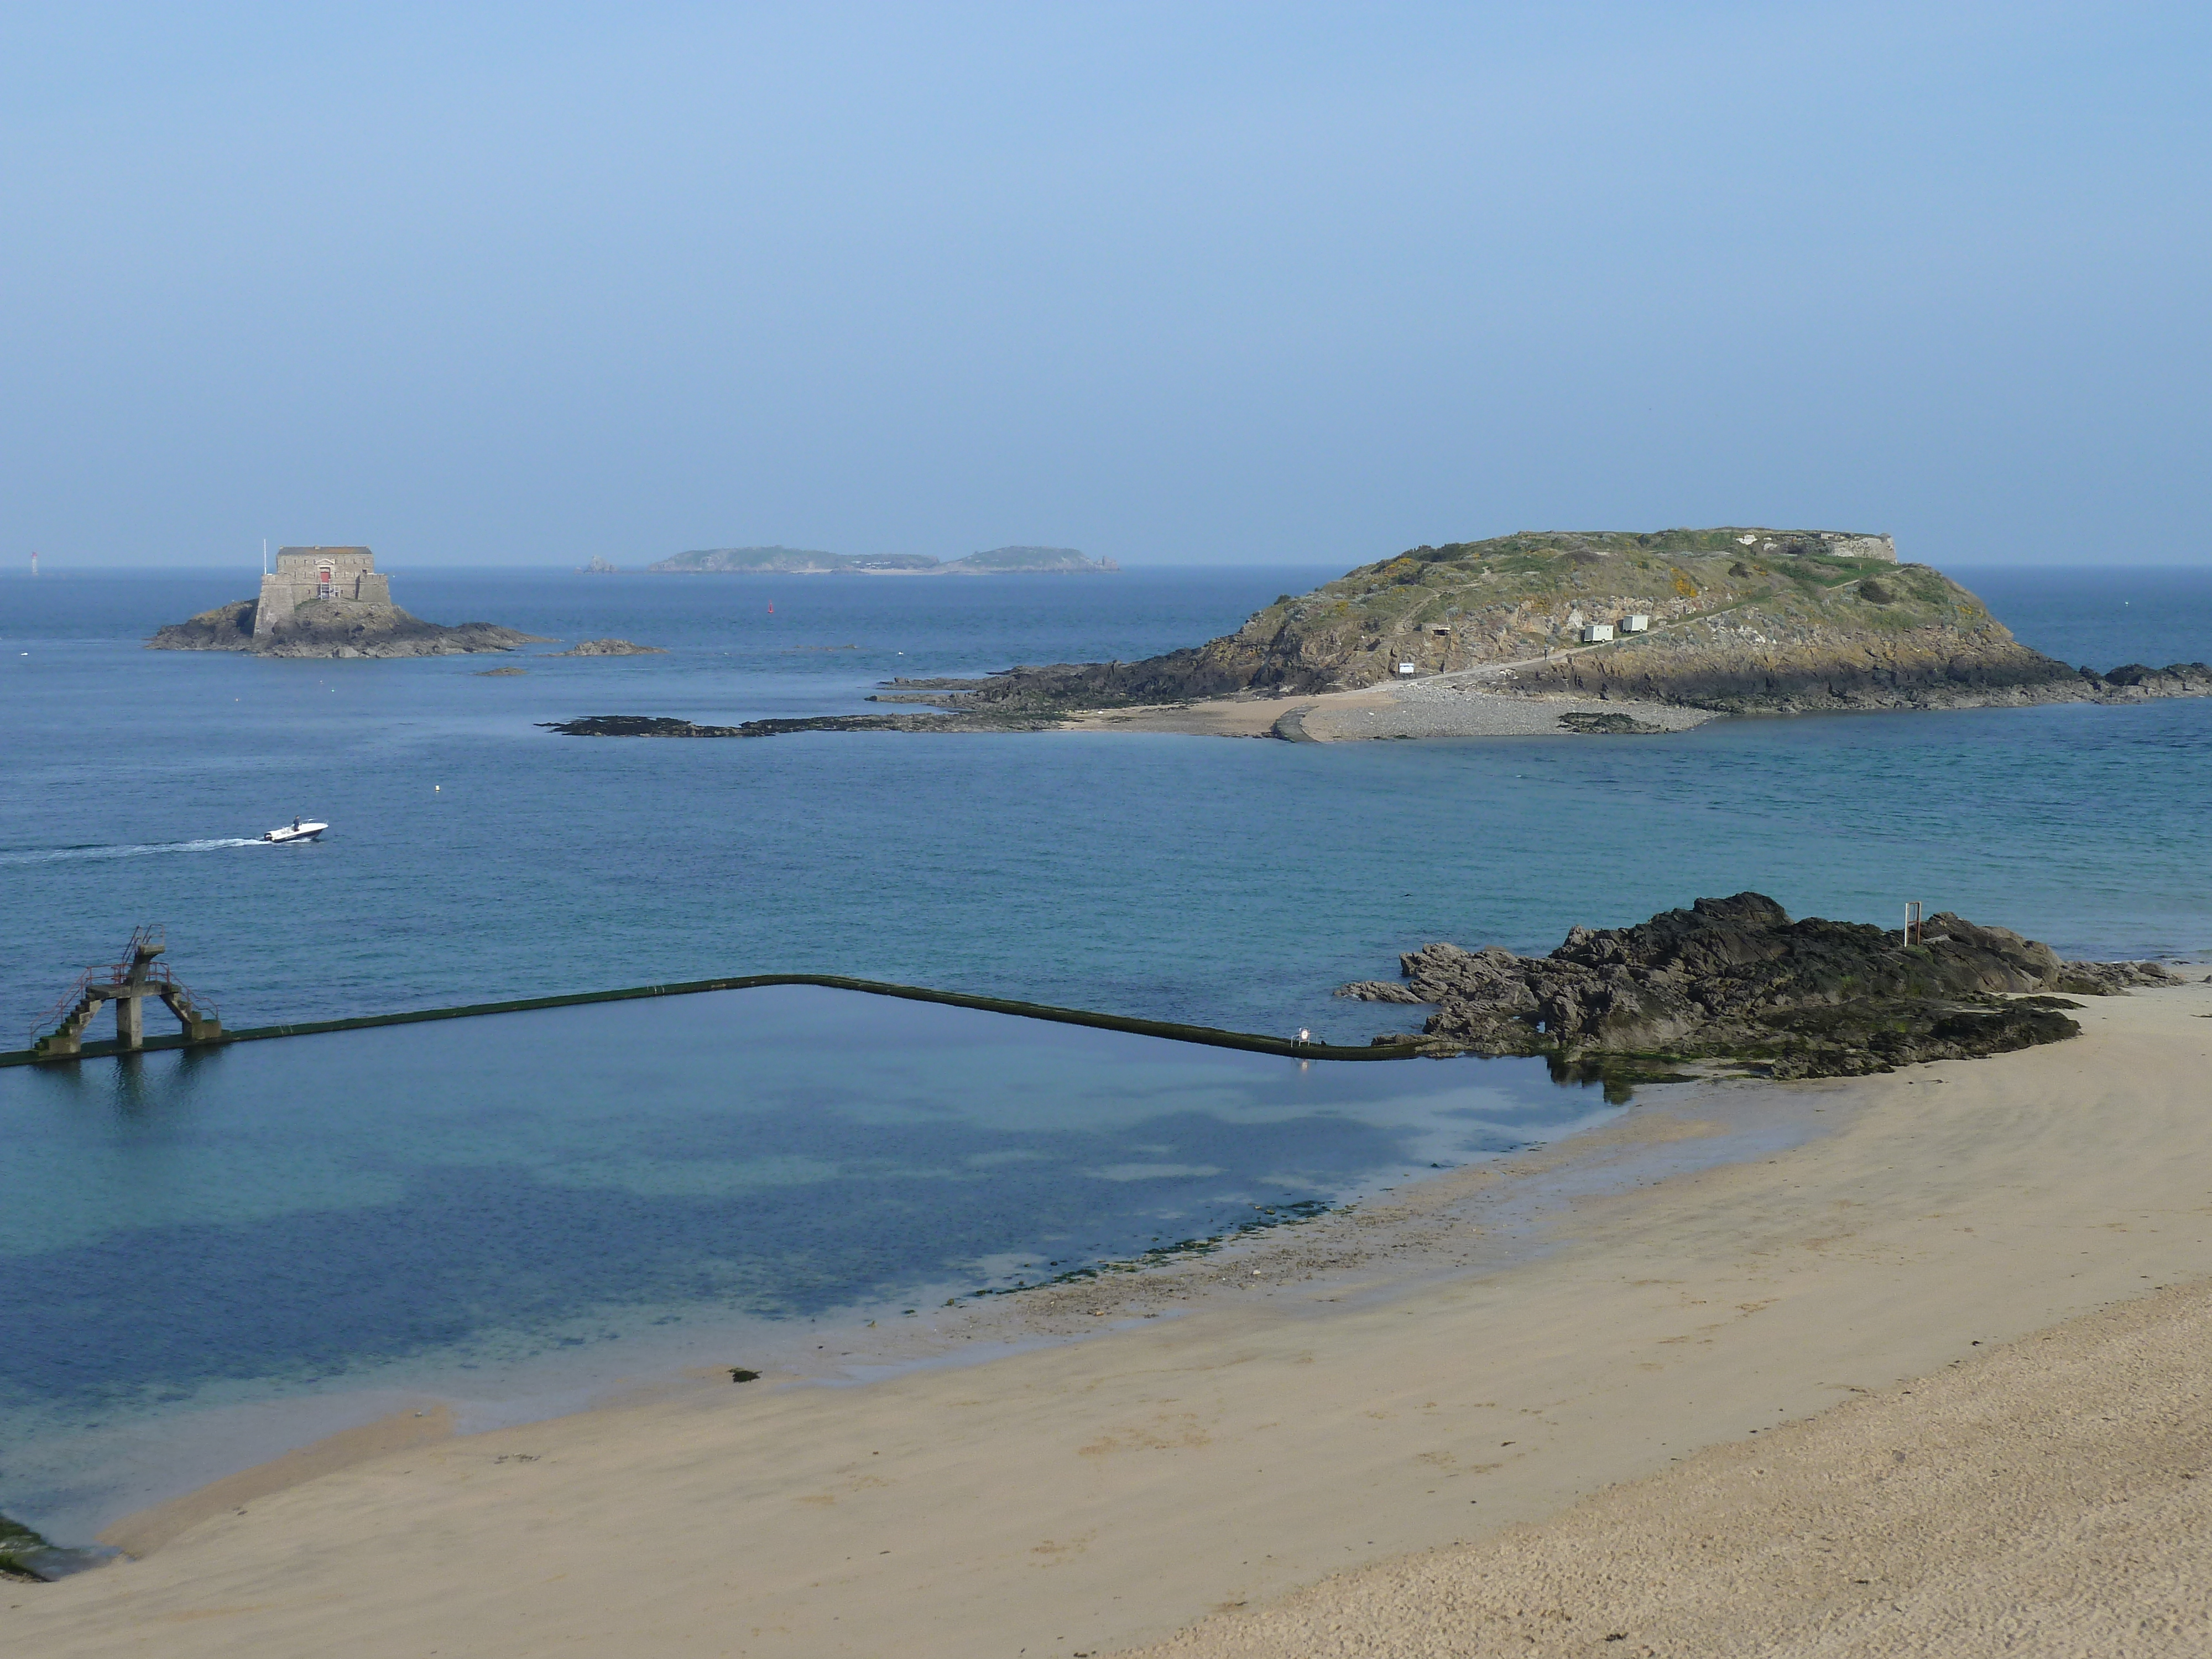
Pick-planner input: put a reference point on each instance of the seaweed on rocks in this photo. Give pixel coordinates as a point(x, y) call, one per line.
point(1609, 723)
point(18, 1546)
point(1736, 979)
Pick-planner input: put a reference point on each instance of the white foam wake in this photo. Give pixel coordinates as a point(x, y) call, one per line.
point(55, 854)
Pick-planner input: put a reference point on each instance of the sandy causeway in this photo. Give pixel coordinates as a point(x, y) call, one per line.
point(1458, 705)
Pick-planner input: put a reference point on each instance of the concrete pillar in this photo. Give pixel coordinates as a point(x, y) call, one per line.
point(129, 1021)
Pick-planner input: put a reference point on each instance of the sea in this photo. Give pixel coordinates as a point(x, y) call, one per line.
point(212, 1256)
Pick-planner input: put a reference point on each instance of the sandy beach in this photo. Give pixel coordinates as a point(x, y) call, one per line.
point(1820, 1396)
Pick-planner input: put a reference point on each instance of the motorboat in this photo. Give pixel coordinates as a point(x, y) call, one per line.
point(298, 829)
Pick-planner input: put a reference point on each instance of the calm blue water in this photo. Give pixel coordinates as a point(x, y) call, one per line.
point(315, 1215)
point(1235, 882)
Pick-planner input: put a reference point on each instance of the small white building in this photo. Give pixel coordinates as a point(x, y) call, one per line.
point(1596, 632)
point(1638, 624)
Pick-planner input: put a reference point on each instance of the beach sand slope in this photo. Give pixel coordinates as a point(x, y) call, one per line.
point(2054, 1497)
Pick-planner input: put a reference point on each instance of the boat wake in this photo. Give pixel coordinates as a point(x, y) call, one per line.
point(57, 854)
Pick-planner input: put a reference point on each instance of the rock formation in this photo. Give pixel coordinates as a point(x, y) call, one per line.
point(334, 627)
point(1730, 619)
point(329, 602)
point(660, 725)
point(1735, 978)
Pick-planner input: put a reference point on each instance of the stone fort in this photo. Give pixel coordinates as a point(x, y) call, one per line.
point(306, 573)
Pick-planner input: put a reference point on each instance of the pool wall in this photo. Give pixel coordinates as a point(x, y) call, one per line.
point(1212, 1036)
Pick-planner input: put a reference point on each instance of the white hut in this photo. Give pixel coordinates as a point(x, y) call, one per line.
point(1638, 624)
point(1596, 632)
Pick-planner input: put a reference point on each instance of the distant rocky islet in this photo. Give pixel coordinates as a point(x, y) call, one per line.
point(812, 561)
point(330, 602)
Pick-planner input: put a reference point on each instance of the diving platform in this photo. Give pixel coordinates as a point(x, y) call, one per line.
point(126, 984)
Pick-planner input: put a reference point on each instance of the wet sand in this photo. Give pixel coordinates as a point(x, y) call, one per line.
point(1418, 1379)
point(149, 1530)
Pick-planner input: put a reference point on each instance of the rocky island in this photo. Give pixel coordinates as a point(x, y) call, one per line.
point(1599, 633)
point(1736, 979)
point(1723, 621)
point(329, 602)
point(812, 561)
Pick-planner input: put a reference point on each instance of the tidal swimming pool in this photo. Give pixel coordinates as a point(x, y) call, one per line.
point(193, 1230)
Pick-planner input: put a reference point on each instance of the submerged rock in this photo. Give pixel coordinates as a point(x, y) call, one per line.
point(1735, 978)
point(612, 648)
point(656, 726)
point(1616, 725)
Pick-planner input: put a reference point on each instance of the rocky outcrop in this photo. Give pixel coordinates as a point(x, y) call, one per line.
point(612, 648)
point(1730, 619)
point(226, 628)
point(1736, 979)
point(335, 628)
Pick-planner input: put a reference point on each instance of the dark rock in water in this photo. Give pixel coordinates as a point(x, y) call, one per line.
point(226, 628)
point(612, 648)
point(1735, 978)
point(651, 725)
point(1596, 725)
point(335, 628)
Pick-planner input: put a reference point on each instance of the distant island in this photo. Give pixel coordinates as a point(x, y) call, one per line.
point(329, 602)
point(812, 561)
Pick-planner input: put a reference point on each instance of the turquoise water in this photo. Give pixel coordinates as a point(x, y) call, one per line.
point(1233, 883)
point(357, 1210)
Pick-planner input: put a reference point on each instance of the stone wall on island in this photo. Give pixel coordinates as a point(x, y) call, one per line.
point(304, 574)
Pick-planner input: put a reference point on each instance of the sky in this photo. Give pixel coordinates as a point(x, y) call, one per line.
point(1182, 284)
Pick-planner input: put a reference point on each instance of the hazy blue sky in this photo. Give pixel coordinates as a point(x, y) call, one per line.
point(1175, 284)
